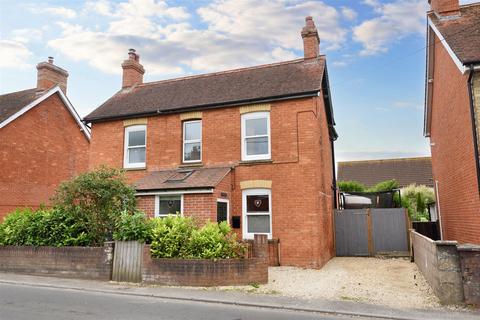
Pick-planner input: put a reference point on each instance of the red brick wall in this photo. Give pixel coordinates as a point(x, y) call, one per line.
point(68, 262)
point(38, 150)
point(453, 158)
point(203, 272)
point(147, 205)
point(300, 171)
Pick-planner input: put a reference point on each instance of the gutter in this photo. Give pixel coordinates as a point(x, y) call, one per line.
point(474, 124)
point(307, 94)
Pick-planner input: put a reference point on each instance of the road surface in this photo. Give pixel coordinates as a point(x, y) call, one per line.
point(18, 302)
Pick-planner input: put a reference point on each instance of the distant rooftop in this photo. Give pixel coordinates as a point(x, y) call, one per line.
point(405, 170)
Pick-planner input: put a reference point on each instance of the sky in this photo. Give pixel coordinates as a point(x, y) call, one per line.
point(375, 54)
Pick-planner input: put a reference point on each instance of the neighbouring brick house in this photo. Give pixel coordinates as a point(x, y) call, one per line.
point(452, 115)
point(251, 146)
point(42, 141)
point(405, 171)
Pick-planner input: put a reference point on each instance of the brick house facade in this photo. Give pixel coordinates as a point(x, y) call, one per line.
point(251, 146)
point(452, 116)
point(42, 141)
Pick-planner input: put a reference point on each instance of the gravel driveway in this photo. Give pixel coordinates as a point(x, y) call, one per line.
point(393, 282)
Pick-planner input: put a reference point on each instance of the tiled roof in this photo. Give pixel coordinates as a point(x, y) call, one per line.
point(273, 81)
point(406, 171)
point(462, 34)
point(11, 103)
point(193, 178)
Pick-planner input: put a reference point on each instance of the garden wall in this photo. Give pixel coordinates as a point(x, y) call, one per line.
point(68, 262)
point(452, 270)
point(205, 272)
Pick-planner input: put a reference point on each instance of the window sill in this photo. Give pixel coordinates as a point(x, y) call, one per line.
point(254, 162)
point(193, 164)
point(135, 169)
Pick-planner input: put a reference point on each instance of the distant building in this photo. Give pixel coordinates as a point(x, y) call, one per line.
point(405, 170)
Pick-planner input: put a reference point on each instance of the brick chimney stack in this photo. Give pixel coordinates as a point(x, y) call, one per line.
point(132, 70)
point(311, 41)
point(445, 8)
point(49, 75)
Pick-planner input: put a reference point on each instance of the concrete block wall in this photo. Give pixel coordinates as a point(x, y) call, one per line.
point(440, 265)
point(470, 265)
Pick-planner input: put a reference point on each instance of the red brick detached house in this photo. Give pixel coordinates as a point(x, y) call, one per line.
point(251, 146)
point(452, 116)
point(42, 141)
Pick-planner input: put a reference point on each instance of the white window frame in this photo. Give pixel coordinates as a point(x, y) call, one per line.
point(249, 116)
point(129, 129)
point(192, 141)
point(260, 192)
point(157, 205)
point(228, 208)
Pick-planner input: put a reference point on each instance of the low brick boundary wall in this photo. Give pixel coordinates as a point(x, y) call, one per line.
point(273, 251)
point(68, 262)
point(470, 265)
point(207, 272)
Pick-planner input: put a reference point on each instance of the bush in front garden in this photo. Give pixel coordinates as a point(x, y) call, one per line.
point(97, 197)
point(180, 237)
point(44, 227)
point(133, 227)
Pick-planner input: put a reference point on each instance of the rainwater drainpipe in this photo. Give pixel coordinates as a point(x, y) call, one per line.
point(474, 124)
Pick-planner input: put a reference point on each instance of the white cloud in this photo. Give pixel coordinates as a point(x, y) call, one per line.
point(396, 20)
point(238, 33)
point(339, 63)
point(60, 11)
point(26, 35)
point(349, 13)
point(15, 54)
point(273, 21)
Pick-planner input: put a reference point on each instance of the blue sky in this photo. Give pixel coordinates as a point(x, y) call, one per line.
point(375, 54)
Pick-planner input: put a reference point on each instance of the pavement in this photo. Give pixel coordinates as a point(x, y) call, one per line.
point(22, 284)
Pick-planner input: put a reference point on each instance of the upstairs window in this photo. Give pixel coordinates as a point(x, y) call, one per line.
point(135, 146)
point(192, 141)
point(256, 136)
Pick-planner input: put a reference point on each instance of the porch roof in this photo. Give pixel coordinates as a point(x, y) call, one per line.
point(183, 178)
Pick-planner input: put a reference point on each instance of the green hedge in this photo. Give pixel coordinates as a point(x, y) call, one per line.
point(180, 237)
point(44, 227)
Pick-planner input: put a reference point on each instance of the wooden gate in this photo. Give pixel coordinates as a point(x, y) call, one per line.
point(367, 232)
point(127, 261)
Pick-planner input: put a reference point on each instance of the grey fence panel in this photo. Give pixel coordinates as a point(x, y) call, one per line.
point(389, 230)
point(127, 261)
point(351, 232)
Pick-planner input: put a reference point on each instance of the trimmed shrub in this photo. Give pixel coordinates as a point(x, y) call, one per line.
point(133, 226)
point(179, 237)
point(44, 227)
point(214, 241)
point(387, 185)
point(351, 186)
point(170, 236)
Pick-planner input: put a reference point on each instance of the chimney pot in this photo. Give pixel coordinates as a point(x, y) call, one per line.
point(50, 75)
point(311, 41)
point(132, 70)
point(445, 8)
